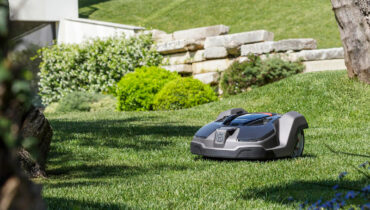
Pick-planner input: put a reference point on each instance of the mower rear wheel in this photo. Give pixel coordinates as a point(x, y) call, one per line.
point(298, 148)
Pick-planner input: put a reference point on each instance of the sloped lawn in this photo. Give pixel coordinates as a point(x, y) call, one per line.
point(286, 18)
point(142, 159)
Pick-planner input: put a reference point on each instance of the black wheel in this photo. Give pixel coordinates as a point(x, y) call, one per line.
point(298, 148)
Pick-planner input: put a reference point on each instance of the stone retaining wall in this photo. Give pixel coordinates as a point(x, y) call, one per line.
point(207, 51)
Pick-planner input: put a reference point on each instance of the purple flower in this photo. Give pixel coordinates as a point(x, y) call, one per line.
point(366, 189)
point(343, 174)
point(350, 195)
point(335, 187)
point(343, 203)
point(365, 206)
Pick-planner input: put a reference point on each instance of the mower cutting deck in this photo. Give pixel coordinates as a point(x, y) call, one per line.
point(237, 134)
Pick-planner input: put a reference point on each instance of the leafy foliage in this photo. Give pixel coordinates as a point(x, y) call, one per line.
point(256, 72)
point(92, 102)
point(107, 103)
point(183, 93)
point(136, 91)
point(28, 59)
point(93, 66)
point(78, 101)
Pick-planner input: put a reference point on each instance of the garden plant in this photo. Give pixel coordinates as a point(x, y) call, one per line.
point(254, 72)
point(94, 66)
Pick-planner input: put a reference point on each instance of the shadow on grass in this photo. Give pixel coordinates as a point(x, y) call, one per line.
point(63, 203)
point(124, 128)
point(88, 6)
point(198, 157)
point(147, 135)
point(121, 134)
point(303, 191)
point(102, 171)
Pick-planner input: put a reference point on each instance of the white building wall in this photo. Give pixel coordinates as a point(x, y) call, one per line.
point(38, 37)
point(78, 30)
point(42, 10)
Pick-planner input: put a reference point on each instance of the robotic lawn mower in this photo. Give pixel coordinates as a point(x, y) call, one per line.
point(237, 134)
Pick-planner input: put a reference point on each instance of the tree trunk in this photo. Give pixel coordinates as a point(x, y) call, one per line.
point(353, 18)
point(16, 191)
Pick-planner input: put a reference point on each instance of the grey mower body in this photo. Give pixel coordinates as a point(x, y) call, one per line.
point(237, 134)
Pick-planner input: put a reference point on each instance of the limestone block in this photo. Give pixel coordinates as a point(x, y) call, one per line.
point(236, 40)
point(201, 33)
point(242, 59)
point(321, 54)
point(282, 56)
point(179, 46)
point(324, 65)
point(294, 44)
point(184, 58)
point(215, 52)
point(208, 78)
point(160, 36)
point(178, 58)
point(199, 56)
point(181, 68)
point(258, 48)
point(211, 66)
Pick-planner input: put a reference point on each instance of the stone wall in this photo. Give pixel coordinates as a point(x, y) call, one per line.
point(207, 51)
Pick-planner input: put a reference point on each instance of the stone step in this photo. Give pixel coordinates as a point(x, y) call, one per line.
point(215, 53)
point(321, 54)
point(201, 33)
point(295, 44)
point(181, 68)
point(324, 65)
point(211, 66)
point(232, 42)
point(279, 46)
point(160, 36)
point(208, 78)
point(184, 58)
point(177, 46)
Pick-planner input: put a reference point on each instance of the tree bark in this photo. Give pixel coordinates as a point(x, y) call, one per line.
point(16, 191)
point(353, 18)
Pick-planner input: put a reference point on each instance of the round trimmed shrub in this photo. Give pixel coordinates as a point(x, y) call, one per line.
point(136, 90)
point(183, 93)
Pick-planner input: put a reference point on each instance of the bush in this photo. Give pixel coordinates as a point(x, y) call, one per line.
point(78, 101)
point(136, 91)
point(94, 66)
point(107, 103)
point(183, 93)
point(255, 72)
point(100, 103)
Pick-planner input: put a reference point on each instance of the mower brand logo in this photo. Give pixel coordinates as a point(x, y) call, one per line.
point(220, 137)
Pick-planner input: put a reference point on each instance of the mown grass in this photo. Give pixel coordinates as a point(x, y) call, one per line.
point(286, 18)
point(141, 160)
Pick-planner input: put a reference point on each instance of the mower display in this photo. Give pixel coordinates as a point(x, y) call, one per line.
point(237, 134)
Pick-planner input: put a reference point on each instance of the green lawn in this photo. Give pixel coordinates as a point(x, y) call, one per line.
point(286, 18)
point(141, 160)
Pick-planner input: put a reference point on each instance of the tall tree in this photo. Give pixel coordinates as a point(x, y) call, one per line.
point(16, 191)
point(353, 18)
